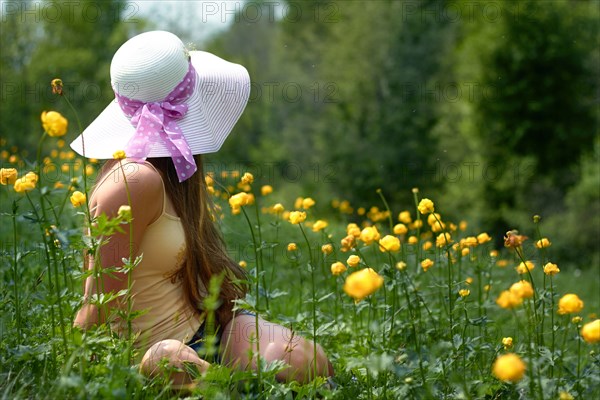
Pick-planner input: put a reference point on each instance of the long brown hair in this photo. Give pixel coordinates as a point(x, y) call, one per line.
point(205, 248)
point(205, 254)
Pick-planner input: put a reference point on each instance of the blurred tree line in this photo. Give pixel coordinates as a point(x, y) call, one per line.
point(489, 107)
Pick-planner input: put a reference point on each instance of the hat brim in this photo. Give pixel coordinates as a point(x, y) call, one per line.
point(219, 98)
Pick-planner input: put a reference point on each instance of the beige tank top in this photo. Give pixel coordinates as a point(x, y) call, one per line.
point(156, 293)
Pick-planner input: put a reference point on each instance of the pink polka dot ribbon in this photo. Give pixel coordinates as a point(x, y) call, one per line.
point(157, 121)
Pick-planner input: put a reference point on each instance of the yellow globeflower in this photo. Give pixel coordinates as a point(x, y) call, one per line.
point(551, 269)
point(369, 234)
point(327, 248)
point(307, 203)
point(543, 243)
point(400, 229)
point(590, 332)
point(54, 123)
point(483, 238)
point(277, 208)
point(570, 304)
point(565, 396)
point(119, 155)
point(124, 212)
point(243, 264)
point(469, 280)
point(77, 198)
point(509, 367)
point(508, 299)
point(338, 268)
point(292, 247)
point(353, 260)
point(404, 217)
point(426, 264)
point(427, 245)
point(400, 265)
point(266, 189)
point(26, 183)
point(426, 206)
point(362, 283)
point(389, 243)
point(464, 292)
point(443, 239)
point(319, 225)
point(523, 289)
point(8, 176)
point(239, 200)
point(353, 229)
point(525, 266)
point(297, 217)
point(433, 217)
point(347, 243)
point(507, 342)
point(413, 240)
point(247, 178)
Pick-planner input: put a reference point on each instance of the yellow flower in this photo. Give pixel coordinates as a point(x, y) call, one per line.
point(369, 234)
point(347, 243)
point(427, 245)
point(565, 396)
point(523, 289)
point(438, 226)
point(119, 155)
point(124, 212)
point(353, 229)
point(292, 247)
point(469, 280)
point(470, 241)
point(465, 252)
point(353, 260)
point(509, 367)
point(433, 217)
point(58, 185)
point(590, 332)
point(577, 319)
point(57, 86)
point(513, 239)
point(77, 198)
point(400, 229)
point(524, 267)
point(389, 243)
point(483, 238)
point(404, 217)
point(426, 206)
point(8, 176)
point(543, 243)
point(508, 299)
point(462, 225)
point(426, 264)
point(570, 304)
point(209, 180)
point(487, 288)
point(551, 269)
point(238, 200)
point(307, 203)
point(54, 123)
point(327, 248)
point(507, 342)
point(443, 239)
point(464, 292)
point(247, 178)
point(26, 183)
point(417, 224)
point(362, 283)
point(266, 189)
point(277, 208)
point(494, 253)
point(243, 264)
point(338, 268)
point(413, 240)
point(319, 225)
point(297, 217)
point(400, 265)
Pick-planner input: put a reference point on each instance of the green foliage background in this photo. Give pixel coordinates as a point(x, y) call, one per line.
point(492, 107)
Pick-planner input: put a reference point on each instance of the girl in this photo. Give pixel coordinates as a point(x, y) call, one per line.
point(172, 106)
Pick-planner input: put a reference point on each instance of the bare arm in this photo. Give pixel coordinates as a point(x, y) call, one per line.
point(145, 187)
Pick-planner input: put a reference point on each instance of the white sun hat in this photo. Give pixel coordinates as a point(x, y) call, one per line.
point(146, 69)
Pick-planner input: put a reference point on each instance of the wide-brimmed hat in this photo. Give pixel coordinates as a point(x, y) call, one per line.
point(147, 73)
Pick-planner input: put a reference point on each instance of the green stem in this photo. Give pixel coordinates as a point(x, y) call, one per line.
point(16, 273)
point(314, 307)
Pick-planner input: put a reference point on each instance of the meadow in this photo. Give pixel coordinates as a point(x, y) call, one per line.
point(407, 303)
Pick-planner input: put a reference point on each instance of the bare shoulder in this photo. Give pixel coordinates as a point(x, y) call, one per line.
point(139, 183)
